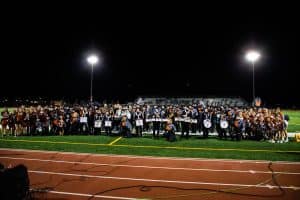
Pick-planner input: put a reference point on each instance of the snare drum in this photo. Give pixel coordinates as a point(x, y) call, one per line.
point(207, 123)
point(224, 124)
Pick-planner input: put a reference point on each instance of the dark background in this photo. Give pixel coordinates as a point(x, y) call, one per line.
point(150, 50)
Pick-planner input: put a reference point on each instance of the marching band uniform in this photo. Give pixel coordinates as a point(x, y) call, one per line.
point(108, 128)
point(84, 126)
point(185, 126)
point(156, 124)
point(98, 118)
point(138, 115)
point(194, 117)
point(223, 131)
point(206, 115)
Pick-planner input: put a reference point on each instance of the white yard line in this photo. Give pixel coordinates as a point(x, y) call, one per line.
point(153, 157)
point(150, 167)
point(165, 181)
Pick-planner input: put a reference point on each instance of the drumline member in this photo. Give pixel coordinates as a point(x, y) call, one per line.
point(139, 117)
point(206, 122)
point(223, 126)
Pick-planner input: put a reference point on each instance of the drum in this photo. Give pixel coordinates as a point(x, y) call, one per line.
point(107, 123)
point(224, 124)
point(39, 129)
point(139, 122)
point(98, 124)
point(83, 119)
point(207, 123)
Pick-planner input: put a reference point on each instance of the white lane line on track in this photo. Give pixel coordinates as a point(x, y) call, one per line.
point(150, 167)
point(154, 157)
point(88, 195)
point(164, 181)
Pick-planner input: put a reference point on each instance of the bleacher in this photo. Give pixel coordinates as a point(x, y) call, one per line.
point(229, 101)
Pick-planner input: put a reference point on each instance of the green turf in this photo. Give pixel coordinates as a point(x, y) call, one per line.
point(294, 126)
point(161, 150)
point(294, 123)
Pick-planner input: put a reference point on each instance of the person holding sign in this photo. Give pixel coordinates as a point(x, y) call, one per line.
point(98, 119)
point(108, 123)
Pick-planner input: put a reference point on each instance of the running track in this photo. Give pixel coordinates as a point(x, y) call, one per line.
point(57, 175)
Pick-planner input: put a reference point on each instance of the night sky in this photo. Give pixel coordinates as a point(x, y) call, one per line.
point(150, 51)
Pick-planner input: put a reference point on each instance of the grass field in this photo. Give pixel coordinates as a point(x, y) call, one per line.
point(194, 147)
point(294, 123)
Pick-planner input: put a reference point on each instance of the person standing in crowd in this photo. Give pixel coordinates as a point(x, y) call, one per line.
point(156, 123)
point(139, 117)
point(207, 122)
point(98, 122)
point(185, 124)
point(108, 123)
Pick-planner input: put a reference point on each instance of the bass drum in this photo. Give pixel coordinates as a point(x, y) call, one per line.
point(207, 123)
point(224, 124)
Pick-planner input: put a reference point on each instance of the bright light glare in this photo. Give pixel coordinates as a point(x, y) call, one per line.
point(252, 56)
point(92, 59)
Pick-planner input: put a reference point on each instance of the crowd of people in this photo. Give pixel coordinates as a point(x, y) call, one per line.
point(129, 120)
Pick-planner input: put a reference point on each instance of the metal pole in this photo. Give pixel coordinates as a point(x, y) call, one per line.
point(253, 81)
point(92, 83)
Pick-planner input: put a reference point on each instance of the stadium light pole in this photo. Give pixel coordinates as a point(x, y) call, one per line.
point(92, 60)
point(253, 56)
